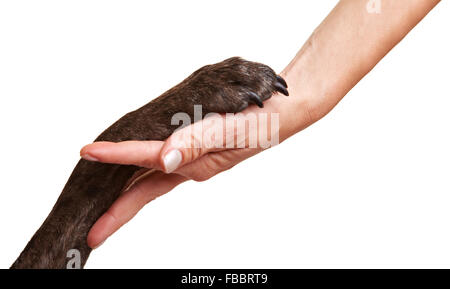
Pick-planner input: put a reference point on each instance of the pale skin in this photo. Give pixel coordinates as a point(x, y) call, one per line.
point(339, 53)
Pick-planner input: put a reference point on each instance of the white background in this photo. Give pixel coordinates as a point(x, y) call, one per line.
point(367, 186)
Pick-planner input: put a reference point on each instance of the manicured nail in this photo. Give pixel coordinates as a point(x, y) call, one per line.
point(89, 158)
point(172, 160)
point(98, 245)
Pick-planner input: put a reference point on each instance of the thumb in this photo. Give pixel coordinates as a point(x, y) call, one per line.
point(194, 141)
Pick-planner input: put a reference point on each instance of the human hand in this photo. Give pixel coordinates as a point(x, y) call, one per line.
point(197, 152)
point(344, 48)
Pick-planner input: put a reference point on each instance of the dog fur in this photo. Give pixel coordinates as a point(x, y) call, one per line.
point(225, 87)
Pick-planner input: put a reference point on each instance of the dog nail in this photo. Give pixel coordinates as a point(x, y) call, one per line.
point(282, 81)
point(281, 88)
point(256, 99)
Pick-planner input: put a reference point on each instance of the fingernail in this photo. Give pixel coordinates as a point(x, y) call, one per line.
point(98, 245)
point(89, 158)
point(172, 160)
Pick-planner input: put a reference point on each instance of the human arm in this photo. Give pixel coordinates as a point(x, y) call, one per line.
point(343, 48)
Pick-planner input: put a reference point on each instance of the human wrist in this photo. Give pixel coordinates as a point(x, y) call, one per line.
point(310, 96)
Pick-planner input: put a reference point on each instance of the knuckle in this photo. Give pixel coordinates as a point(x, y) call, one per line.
point(147, 161)
point(191, 154)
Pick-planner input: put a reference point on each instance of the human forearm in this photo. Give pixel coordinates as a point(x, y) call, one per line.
point(339, 53)
point(344, 48)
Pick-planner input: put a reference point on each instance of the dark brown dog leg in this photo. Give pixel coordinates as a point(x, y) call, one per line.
point(228, 86)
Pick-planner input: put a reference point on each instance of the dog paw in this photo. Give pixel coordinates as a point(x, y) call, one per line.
point(233, 84)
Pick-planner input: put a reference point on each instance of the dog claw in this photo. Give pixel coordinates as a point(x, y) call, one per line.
point(279, 87)
point(255, 99)
point(282, 81)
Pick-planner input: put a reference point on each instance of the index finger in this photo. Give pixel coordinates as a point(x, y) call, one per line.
point(139, 153)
